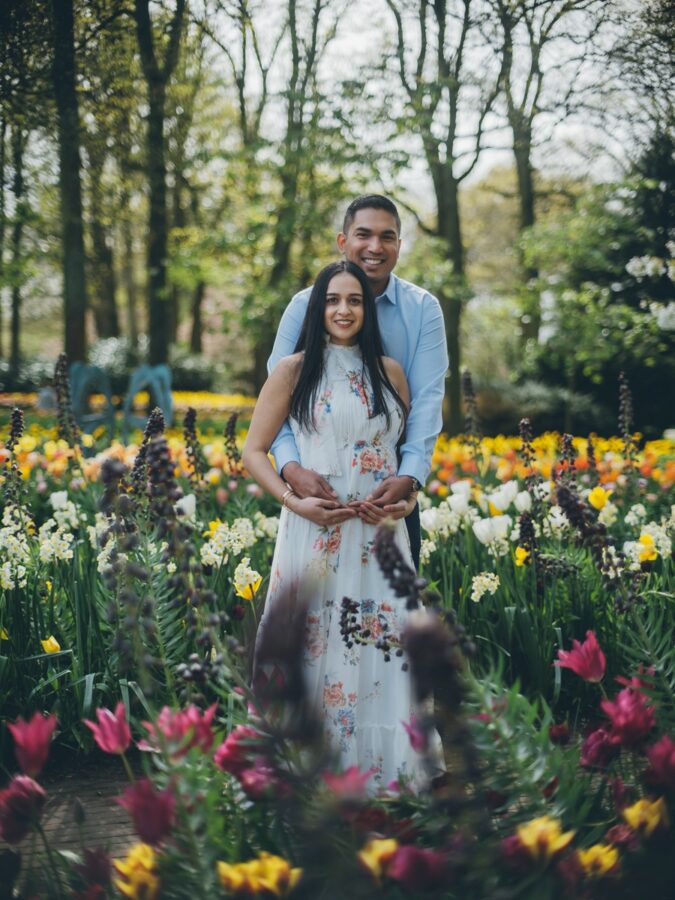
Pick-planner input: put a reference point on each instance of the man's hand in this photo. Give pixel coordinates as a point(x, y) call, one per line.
point(391, 491)
point(321, 512)
point(307, 483)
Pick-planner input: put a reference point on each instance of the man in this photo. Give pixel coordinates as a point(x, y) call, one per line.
point(411, 323)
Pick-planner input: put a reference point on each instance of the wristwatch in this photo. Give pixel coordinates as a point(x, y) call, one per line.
point(416, 486)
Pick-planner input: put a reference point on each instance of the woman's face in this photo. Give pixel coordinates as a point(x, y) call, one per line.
point(343, 317)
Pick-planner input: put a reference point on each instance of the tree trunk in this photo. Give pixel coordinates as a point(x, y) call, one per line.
point(102, 275)
point(453, 420)
point(3, 136)
point(127, 272)
point(450, 229)
point(522, 150)
point(157, 77)
point(18, 143)
point(74, 280)
point(197, 324)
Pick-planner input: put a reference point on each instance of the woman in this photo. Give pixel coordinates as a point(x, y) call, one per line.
point(347, 405)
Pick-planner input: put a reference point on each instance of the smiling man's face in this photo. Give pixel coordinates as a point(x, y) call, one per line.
point(373, 243)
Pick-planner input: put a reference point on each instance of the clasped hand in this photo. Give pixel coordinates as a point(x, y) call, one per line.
point(317, 501)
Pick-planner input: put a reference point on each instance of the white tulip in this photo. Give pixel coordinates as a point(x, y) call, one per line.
point(523, 501)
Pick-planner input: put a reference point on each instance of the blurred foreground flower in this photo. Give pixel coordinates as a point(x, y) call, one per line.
point(599, 860)
point(376, 854)
point(140, 879)
point(543, 838)
point(153, 811)
point(661, 758)
point(631, 717)
point(266, 874)
point(587, 659)
point(20, 807)
point(31, 741)
point(182, 729)
point(646, 816)
point(112, 734)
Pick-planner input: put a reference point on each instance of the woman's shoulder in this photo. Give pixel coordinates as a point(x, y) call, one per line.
point(392, 367)
point(288, 367)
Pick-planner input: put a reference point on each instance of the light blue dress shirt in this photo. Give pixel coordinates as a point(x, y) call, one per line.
point(413, 333)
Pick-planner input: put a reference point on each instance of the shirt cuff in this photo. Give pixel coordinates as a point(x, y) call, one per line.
point(284, 452)
point(413, 466)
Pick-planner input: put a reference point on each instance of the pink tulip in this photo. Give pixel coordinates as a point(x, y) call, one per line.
point(31, 741)
point(153, 811)
point(20, 806)
point(587, 659)
point(112, 734)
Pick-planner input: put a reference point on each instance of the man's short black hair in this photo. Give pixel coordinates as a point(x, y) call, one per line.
point(370, 201)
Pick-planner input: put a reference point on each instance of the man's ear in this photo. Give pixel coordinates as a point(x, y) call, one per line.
point(340, 241)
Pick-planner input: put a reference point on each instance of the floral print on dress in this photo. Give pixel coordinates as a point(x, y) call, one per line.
point(372, 459)
point(357, 384)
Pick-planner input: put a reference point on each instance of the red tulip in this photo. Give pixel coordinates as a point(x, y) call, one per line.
point(418, 869)
point(20, 806)
point(631, 717)
point(182, 729)
point(587, 659)
point(598, 750)
point(153, 811)
point(348, 785)
point(559, 734)
point(661, 756)
point(236, 752)
point(419, 738)
point(31, 741)
point(112, 734)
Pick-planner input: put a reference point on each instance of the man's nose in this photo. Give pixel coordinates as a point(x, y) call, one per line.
point(374, 244)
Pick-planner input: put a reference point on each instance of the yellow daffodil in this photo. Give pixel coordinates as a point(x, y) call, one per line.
point(522, 556)
point(51, 645)
point(599, 860)
point(543, 838)
point(213, 527)
point(598, 497)
point(646, 816)
point(140, 880)
point(246, 580)
point(648, 551)
point(376, 854)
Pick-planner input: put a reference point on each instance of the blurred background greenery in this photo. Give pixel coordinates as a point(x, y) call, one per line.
point(172, 172)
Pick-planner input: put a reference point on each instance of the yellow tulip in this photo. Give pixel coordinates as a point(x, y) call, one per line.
point(522, 556)
point(51, 645)
point(648, 553)
point(140, 880)
point(3, 634)
point(599, 860)
point(598, 497)
point(376, 854)
point(543, 838)
point(646, 815)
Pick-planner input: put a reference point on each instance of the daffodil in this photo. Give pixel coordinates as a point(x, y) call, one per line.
point(599, 860)
point(246, 580)
point(646, 816)
point(51, 645)
point(543, 838)
point(647, 551)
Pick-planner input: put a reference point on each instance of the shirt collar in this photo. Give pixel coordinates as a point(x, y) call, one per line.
point(390, 293)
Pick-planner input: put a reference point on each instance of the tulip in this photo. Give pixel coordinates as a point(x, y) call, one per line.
point(631, 717)
point(646, 816)
point(153, 811)
point(182, 729)
point(418, 869)
point(140, 878)
point(543, 838)
point(376, 855)
point(112, 734)
point(235, 753)
point(598, 750)
point(599, 860)
point(598, 497)
point(661, 756)
point(559, 733)
point(31, 742)
point(419, 739)
point(349, 785)
point(51, 645)
point(20, 807)
point(587, 660)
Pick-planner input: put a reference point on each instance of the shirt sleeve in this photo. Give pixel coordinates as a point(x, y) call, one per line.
point(426, 379)
point(284, 448)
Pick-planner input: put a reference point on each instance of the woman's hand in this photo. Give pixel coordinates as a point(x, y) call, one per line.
point(321, 512)
point(373, 515)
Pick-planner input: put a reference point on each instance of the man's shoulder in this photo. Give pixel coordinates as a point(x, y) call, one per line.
point(414, 293)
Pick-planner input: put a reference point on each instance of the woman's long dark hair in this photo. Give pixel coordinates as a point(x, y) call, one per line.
point(312, 340)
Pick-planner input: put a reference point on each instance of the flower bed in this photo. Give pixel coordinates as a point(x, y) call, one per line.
point(131, 581)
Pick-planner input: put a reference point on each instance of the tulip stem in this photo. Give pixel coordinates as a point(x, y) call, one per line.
point(50, 856)
point(127, 768)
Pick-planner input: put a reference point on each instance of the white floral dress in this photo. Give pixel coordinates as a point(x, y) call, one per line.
point(363, 698)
